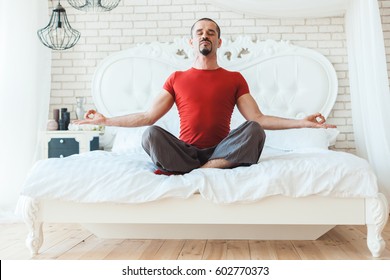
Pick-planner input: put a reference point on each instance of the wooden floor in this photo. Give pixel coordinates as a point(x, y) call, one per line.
point(70, 241)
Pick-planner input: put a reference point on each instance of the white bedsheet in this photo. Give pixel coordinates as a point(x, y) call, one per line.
point(100, 176)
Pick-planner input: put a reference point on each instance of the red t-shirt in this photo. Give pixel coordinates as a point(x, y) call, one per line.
point(205, 100)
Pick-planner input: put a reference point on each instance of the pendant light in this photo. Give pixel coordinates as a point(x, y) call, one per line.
point(58, 34)
point(94, 5)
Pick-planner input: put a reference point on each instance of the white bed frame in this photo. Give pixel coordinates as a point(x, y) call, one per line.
point(285, 80)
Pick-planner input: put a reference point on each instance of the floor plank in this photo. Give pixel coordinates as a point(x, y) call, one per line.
point(215, 250)
point(285, 250)
point(100, 248)
point(329, 248)
point(170, 250)
point(307, 250)
point(193, 250)
point(90, 248)
point(128, 250)
point(261, 250)
point(237, 250)
point(151, 250)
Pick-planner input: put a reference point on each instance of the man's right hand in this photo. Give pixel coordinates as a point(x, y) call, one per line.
point(92, 117)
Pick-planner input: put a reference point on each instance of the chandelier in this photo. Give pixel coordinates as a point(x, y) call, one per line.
point(94, 5)
point(58, 34)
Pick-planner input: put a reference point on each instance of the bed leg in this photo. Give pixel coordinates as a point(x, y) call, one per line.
point(377, 213)
point(34, 238)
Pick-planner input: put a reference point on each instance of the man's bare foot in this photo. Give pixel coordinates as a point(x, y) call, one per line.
point(218, 163)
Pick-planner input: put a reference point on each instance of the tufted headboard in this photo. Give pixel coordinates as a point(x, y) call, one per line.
point(285, 80)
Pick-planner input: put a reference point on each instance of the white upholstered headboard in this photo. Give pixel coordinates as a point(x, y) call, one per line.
point(285, 80)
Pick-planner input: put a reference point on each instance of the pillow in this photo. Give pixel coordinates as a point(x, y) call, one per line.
point(106, 140)
point(128, 139)
point(301, 138)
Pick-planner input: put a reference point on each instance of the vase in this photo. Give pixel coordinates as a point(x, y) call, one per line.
point(80, 101)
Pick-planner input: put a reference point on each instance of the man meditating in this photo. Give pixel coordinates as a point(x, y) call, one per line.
point(205, 96)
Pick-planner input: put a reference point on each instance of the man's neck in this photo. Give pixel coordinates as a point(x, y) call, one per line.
point(202, 62)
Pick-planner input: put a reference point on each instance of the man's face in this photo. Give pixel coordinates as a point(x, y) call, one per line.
point(205, 37)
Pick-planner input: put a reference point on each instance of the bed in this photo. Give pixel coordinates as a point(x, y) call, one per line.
point(299, 190)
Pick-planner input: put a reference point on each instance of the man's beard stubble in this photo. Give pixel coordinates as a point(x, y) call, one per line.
point(206, 51)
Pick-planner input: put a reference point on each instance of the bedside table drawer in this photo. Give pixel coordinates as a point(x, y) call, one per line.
point(63, 147)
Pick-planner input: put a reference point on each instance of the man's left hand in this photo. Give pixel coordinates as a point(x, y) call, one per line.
point(316, 121)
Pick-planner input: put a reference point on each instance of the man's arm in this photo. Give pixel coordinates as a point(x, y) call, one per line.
point(250, 110)
point(161, 105)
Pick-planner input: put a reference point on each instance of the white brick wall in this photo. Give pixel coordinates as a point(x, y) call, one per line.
point(150, 20)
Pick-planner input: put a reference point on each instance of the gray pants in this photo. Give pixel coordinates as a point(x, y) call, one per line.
point(242, 146)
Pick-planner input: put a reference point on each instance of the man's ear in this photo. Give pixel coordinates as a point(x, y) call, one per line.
point(190, 41)
point(219, 42)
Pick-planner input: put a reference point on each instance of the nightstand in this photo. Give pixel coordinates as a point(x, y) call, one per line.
point(63, 143)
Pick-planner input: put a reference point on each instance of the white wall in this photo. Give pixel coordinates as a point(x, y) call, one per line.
point(150, 20)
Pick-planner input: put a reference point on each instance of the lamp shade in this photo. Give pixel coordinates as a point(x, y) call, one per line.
point(58, 34)
point(94, 5)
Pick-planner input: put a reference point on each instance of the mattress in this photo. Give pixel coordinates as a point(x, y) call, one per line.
point(101, 176)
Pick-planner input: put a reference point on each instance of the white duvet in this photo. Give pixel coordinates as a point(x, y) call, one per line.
point(128, 178)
